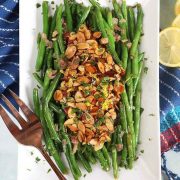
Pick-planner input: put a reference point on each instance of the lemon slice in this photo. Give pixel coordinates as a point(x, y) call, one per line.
point(176, 22)
point(170, 47)
point(177, 7)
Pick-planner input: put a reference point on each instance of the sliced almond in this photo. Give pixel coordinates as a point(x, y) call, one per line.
point(92, 43)
point(109, 125)
point(97, 35)
point(73, 128)
point(101, 67)
point(80, 136)
point(82, 28)
point(100, 51)
point(88, 125)
point(90, 98)
point(89, 118)
point(98, 146)
point(83, 79)
point(81, 127)
point(117, 68)
point(80, 37)
point(72, 36)
point(89, 132)
point(79, 96)
point(70, 113)
point(71, 104)
point(69, 122)
point(87, 34)
point(104, 41)
point(83, 46)
point(81, 106)
point(113, 114)
point(110, 59)
point(93, 142)
point(90, 68)
point(58, 95)
point(70, 51)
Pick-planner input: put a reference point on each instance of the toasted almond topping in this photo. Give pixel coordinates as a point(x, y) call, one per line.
point(100, 51)
point(83, 79)
point(109, 125)
point(93, 142)
point(58, 95)
point(69, 122)
point(98, 146)
point(87, 34)
point(80, 136)
point(55, 33)
point(70, 51)
point(83, 46)
point(71, 114)
point(80, 37)
point(104, 41)
point(97, 35)
point(83, 28)
point(79, 97)
point(81, 106)
point(71, 104)
point(110, 59)
point(81, 127)
point(72, 36)
point(101, 67)
point(73, 127)
point(90, 69)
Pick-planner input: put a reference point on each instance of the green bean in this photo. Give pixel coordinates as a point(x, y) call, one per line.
point(49, 58)
point(141, 63)
point(68, 16)
point(89, 156)
point(55, 108)
point(46, 81)
point(36, 102)
point(129, 117)
point(38, 79)
point(42, 46)
point(56, 50)
point(106, 156)
point(38, 40)
point(110, 19)
point(101, 27)
point(50, 145)
point(83, 16)
point(130, 151)
point(114, 162)
point(125, 14)
point(84, 162)
point(68, 150)
point(102, 160)
point(122, 113)
point(60, 28)
point(138, 32)
point(53, 23)
point(61, 119)
point(131, 22)
point(119, 135)
point(124, 153)
point(50, 123)
point(123, 25)
point(135, 67)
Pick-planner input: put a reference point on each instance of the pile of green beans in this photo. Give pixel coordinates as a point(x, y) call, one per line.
point(121, 151)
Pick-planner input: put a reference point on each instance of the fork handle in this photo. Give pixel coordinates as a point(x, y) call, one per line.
point(52, 164)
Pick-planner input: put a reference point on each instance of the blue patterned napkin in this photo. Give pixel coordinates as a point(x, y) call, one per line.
point(9, 45)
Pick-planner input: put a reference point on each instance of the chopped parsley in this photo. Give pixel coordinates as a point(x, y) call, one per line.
point(86, 92)
point(145, 70)
point(84, 175)
point(52, 2)
point(100, 121)
point(84, 84)
point(37, 159)
point(97, 96)
point(141, 110)
point(142, 151)
point(48, 171)
point(151, 114)
point(38, 5)
point(31, 153)
point(105, 80)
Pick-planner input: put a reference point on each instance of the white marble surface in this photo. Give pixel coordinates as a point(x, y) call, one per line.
point(8, 154)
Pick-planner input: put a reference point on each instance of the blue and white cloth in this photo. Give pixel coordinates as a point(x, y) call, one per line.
point(169, 84)
point(9, 45)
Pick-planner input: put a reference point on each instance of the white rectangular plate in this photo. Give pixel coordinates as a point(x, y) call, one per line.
point(147, 167)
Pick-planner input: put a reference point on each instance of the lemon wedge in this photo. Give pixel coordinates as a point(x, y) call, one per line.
point(176, 22)
point(170, 47)
point(177, 7)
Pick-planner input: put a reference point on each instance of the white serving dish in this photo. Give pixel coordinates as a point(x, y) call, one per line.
point(147, 167)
